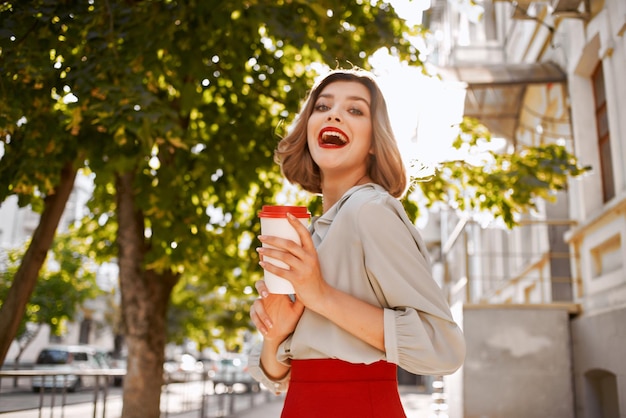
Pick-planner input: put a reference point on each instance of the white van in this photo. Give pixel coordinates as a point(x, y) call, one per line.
point(63, 359)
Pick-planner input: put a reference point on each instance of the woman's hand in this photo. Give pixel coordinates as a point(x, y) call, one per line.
point(303, 270)
point(359, 318)
point(275, 316)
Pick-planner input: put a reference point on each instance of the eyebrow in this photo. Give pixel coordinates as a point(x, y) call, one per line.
point(354, 98)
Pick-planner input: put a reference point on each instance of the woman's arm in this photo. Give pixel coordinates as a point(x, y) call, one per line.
point(357, 317)
point(416, 329)
point(275, 316)
point(272, 368)
point(420, 333)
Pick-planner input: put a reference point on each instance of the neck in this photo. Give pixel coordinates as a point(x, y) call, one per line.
point(332, 191)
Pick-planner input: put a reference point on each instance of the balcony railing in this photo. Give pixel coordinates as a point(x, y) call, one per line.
point(530, 264)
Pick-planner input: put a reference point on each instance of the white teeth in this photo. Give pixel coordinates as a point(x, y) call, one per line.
point(332, 137)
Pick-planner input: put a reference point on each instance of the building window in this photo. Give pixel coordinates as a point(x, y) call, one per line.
point(604, 137)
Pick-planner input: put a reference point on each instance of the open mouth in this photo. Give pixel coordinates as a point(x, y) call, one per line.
point(332, 138)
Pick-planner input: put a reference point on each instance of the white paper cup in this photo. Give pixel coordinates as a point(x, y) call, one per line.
point(274, 222)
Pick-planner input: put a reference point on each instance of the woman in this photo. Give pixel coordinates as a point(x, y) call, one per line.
point(365, 298)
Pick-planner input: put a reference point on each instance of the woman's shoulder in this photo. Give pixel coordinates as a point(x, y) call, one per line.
point(370, 201)
point(370, 194)
point(380, 214)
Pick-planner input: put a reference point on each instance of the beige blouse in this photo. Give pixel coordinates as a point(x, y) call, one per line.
point(368, 247)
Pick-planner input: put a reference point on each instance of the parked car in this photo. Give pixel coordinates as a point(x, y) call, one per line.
point(232, 370)
point(118, 362)
point(106, 361)
point(208, 365)
point(182, 368)
point(63, 359)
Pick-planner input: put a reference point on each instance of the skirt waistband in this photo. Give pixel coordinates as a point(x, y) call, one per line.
point(328, 370)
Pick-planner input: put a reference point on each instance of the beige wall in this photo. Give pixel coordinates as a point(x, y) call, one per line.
point(518, 362)
point(599, 345)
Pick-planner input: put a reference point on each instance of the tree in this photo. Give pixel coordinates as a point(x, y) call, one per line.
point(40, 134)
point(177, 121)
point(61, 289)
point(12, 309)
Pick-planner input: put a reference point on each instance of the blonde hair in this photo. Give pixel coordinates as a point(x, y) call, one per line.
point(385, 166)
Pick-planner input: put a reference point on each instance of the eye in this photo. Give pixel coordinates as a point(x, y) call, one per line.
point(356, 111)
point(321, 107)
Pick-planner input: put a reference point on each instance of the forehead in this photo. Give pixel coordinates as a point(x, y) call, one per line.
point(346, 89)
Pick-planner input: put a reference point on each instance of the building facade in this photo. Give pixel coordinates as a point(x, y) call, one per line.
point(543, 305)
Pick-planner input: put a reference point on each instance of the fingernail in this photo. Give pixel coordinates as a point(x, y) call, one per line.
point(265, 293)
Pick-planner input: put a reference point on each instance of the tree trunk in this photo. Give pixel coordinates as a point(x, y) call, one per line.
point(12, 310)
point(145, 295)
point(16, 363)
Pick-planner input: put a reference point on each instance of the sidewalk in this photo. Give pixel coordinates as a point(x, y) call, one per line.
point(269, 409)
point(263, 405)
point(416, 405)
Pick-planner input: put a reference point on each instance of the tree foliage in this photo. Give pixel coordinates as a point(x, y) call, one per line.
point(63, 285)
point(505, 184)
point(173, 106)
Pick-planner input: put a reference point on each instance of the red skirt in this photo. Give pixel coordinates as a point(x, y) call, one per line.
point(328, 388)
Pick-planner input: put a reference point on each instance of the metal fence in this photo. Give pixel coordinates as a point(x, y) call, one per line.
point(192, 396)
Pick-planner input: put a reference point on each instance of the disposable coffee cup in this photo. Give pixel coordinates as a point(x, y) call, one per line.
point(274, 222)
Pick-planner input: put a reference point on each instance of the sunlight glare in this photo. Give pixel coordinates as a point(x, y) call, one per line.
point(424, 111)
point(411, 10)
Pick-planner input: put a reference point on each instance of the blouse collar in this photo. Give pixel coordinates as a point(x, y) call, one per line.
point(320, 225)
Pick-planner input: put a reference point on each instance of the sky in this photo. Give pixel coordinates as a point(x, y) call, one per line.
point(424, 110)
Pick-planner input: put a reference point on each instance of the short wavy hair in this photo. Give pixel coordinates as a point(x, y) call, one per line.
point(385, 167)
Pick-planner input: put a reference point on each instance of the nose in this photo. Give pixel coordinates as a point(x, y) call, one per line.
point(333, 117)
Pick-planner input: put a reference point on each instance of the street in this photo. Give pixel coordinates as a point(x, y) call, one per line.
point(176, 399)
point(181, 400)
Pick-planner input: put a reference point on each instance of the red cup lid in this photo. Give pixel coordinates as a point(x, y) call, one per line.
point(280, 211)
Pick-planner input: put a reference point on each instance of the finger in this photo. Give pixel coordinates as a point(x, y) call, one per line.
point(261, 287)
point(303, 231)
point(281, 249)
point(271, 241)
point(295, 259)
point(273, 268)
point(271, 254)
point(258, 323)
point(260, 317)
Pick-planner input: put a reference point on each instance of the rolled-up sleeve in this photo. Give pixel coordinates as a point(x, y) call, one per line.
point(420, 333)
point(423, 345)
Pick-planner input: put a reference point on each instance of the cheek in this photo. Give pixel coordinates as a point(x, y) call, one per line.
point(310, 137)
point(368, 133)
point(370, 145)
point(311, 129)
